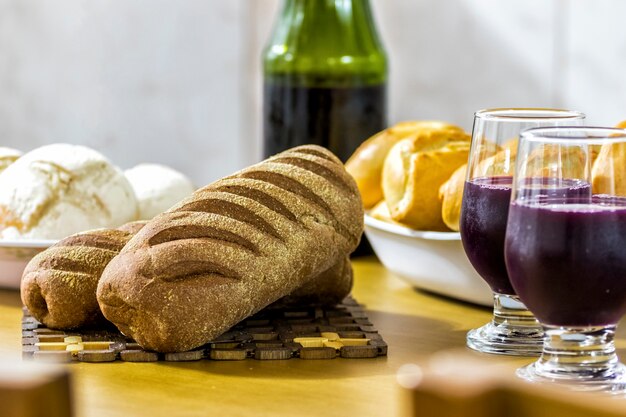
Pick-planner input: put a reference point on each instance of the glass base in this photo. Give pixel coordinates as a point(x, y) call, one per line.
point(579, 359)
point(513, 330)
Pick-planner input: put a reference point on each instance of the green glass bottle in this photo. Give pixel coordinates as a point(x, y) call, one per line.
point(325, 77)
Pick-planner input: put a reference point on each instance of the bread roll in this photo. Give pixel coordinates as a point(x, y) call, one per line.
point(366, 164)
point(59, 284)
point(414, 170)
point(606, 178)
point(451, 196)
point(232, 248)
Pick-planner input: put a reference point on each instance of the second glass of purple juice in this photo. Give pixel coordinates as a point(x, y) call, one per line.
point(565, 251)
point(513, 330)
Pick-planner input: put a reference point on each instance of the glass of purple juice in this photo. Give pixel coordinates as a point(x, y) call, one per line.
point(513, 330)
point(565, 251)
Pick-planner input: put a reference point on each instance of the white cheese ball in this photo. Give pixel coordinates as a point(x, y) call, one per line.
point(61, 189)
point(8, 156)
point(157, 188)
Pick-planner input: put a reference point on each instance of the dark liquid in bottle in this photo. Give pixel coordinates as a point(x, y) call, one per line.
point(338, 118)
point(568, 263)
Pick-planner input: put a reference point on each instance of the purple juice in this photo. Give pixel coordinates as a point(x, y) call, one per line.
point(484, 213)
point(567, 262)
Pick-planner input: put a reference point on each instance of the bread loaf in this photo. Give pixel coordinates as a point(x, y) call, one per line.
point(59, 284)
point(232, 248)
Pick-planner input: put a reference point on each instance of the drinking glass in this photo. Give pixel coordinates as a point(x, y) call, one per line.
point(566, 250)
point(513, 330)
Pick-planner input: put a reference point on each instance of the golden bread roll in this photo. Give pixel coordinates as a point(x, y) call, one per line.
point(381, 212)
point(605, 179)
point(414, 170)
point(232, 248)
point(500, 163)
point(556, 161)
point(366, 163)
point(451, 192)
point(451, 196)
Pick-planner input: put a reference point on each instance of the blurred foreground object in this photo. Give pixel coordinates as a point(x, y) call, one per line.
point(457, 384)
point(34, 390)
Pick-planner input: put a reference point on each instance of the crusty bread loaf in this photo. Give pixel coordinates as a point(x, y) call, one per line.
point(59, 284)
point(232, 248)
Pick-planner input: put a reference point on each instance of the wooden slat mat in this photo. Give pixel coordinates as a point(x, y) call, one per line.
point(343, 331)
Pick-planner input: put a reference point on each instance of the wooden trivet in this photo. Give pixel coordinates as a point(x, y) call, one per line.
point(272, 334)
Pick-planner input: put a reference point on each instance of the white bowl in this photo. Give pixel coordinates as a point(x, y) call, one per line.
point(433, 261)
point(14, 255)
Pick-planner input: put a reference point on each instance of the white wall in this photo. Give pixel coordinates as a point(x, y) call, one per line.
point(179, 82)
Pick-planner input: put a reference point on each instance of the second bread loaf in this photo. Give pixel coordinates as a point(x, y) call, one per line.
point(232, 248)
point(59, 284)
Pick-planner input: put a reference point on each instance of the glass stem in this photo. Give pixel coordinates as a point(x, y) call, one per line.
point(508, 310)
point(586, 353)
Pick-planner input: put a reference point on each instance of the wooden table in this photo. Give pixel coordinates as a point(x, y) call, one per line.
point(414, 324)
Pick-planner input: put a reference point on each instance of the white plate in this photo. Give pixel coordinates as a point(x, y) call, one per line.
point(14, 255)
point(434, 261)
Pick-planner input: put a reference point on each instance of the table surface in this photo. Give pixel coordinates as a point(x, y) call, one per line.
point(415, 325)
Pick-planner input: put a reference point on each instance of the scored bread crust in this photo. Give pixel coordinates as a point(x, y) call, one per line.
point(232, 248)
point(59, 284)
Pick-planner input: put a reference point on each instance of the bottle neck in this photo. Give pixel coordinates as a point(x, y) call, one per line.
point(317, 42)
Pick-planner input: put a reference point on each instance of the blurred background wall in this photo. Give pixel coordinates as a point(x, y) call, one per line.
point(178, 82)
